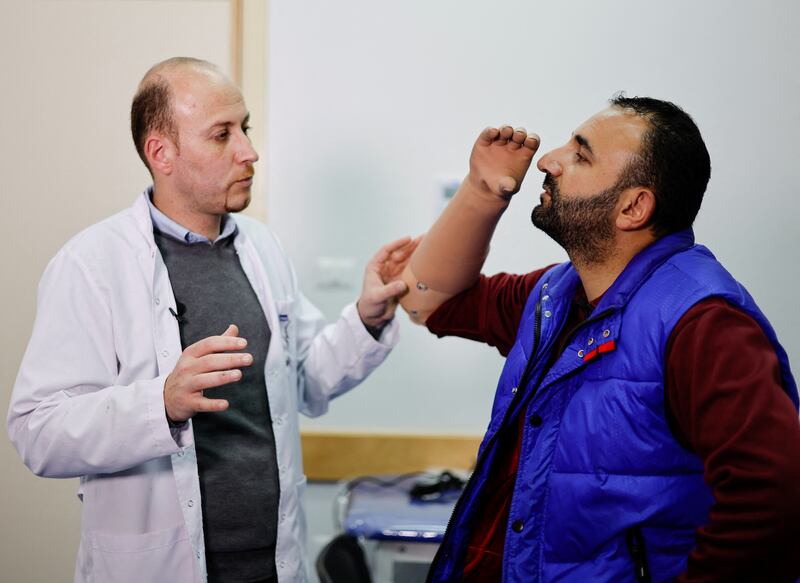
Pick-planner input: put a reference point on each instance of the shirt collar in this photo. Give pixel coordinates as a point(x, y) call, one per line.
point(166, 226)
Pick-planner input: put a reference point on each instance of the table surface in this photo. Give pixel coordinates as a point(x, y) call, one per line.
point(381, 512)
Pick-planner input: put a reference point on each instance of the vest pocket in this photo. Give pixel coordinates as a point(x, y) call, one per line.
point(635, 541)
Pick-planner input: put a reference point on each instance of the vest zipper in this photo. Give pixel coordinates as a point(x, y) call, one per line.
point(537, 336)
point(635, 541)
point(537, 332)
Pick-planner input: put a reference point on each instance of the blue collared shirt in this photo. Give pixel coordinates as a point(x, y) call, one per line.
point(165, 225)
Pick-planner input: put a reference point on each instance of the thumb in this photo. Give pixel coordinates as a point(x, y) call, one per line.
point(507, 185)
point(385, 293)
point(398, 287)
point(232, 330)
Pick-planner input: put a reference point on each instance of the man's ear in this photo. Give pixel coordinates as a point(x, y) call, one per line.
point(637, 207)
point(160, 152)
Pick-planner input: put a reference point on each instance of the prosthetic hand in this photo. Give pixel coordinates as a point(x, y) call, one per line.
point(449, 258)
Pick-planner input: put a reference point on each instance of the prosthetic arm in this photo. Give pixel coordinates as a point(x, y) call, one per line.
point(449, 258)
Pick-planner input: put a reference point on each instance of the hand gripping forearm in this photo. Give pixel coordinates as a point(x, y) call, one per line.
point(449, 258)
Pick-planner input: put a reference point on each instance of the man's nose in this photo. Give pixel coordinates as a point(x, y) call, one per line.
point(549, 163)
point(246, 153)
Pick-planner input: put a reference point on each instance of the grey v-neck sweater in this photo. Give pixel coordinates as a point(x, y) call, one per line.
point(235, 448)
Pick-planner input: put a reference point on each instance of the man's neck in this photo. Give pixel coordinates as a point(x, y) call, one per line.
point(597, 277)
point(207, 225)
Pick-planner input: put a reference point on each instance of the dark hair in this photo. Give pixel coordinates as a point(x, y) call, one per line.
point(673, 161)
point(151, 110)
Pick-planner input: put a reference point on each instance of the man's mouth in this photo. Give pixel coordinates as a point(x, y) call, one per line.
point(246, 179)
point(548, 184)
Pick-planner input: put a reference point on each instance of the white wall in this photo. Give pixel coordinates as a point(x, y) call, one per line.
point(371, 102)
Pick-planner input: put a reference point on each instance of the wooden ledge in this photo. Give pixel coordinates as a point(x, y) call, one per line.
point(336, 455)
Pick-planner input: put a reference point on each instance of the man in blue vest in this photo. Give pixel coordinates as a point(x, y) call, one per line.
point(645, 424)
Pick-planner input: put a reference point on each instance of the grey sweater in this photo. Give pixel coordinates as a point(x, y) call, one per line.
point(235, 448)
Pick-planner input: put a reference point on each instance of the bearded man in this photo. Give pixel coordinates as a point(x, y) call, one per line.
point(645, 424)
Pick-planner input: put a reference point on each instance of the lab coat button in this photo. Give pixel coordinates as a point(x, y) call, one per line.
point(165, 353)
point(279, 421)
point(282, 564)
point(197, 554)
point(190, 503)
point(157, 301)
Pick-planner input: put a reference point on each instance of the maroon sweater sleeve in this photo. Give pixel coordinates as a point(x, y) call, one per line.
point(723, 389)
point(490, 311)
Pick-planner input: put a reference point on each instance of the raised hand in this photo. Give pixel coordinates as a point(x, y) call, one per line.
point(204, 365)
point(500, 159)
point(396, 261)
point(378, 300)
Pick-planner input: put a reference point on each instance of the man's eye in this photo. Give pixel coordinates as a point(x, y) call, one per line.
point(245, 129)
point(579, 157)
point(222, 136)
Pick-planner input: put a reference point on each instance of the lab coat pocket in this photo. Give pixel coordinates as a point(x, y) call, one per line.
point(132, 558)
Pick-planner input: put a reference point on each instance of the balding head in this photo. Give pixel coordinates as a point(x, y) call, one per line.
point(152, 107)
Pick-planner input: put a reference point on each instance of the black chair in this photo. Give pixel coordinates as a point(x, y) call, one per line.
point(342, 561)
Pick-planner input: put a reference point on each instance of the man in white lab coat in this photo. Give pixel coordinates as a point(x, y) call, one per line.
point(172, 352)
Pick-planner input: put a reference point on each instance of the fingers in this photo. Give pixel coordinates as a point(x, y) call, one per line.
point(387, 264)
point(183, 392)
point(381, 295)
point(532, 142)
point(384, 252)
point(220, 362)
point(203, 405)
point(488, 135)
point(401, 253)
point(505, 134)
point(209, 380)
point(232, 330)
point(216, 344)
point(496, 135)
point(377, 305)
point(515, 137)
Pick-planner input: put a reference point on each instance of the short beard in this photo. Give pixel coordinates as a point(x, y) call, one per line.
point(582, 226)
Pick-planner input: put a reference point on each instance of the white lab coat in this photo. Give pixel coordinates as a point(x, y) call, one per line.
point(88, 400)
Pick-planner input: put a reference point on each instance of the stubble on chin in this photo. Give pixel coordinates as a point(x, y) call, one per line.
point(582, 227)
point(237, 201)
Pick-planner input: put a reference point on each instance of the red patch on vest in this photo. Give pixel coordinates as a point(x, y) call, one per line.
point(601, 349)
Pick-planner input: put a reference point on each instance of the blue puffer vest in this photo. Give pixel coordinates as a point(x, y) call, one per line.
point(603, 492)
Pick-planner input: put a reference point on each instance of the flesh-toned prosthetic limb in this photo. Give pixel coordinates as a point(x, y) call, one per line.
point(449, 258)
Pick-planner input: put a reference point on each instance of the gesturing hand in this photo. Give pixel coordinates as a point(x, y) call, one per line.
point(378, 300)
point(500, 159)
point(395, 262)
point(204, 365)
